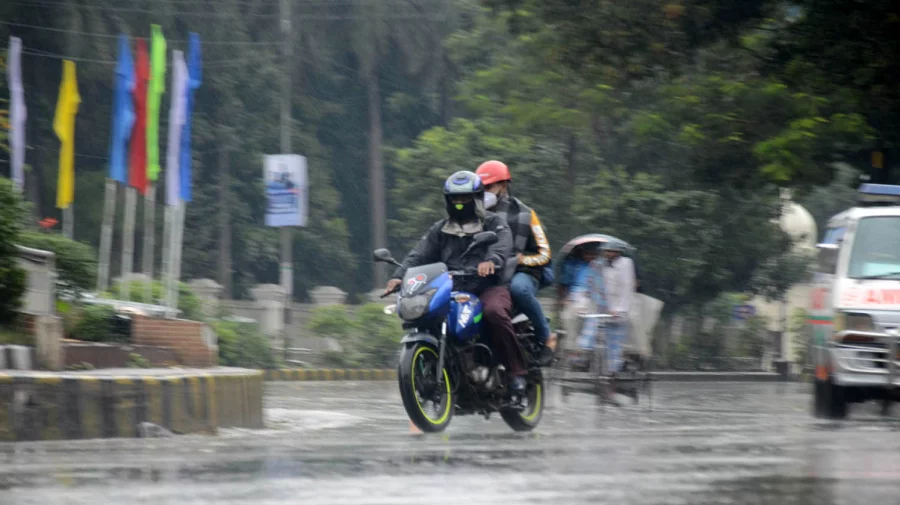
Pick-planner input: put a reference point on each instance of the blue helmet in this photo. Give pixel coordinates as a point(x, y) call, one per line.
point(463, 183)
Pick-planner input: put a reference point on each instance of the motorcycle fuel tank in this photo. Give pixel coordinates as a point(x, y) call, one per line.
point(464, 320)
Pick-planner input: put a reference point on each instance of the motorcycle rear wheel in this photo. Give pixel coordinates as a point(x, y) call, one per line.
point(418, 386)
point(528, 419)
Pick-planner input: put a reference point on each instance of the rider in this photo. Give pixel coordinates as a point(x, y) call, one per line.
point(447, 240)
point(531, 247)
point(619, 284)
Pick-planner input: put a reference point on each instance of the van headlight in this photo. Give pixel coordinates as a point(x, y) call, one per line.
point(852, 321)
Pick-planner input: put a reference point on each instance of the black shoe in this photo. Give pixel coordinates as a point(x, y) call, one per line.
point(518, 384)
point(545, 358)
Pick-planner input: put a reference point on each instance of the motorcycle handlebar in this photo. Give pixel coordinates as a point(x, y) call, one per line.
point(389, 293)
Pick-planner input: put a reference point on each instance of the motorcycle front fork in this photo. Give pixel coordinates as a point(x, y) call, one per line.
point(441, 352)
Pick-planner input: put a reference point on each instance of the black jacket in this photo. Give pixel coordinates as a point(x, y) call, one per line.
point(436, 246)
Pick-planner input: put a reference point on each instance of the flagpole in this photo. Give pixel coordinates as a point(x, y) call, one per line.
point(175, 263)
point(128, 242)
point(68, 222)
point(166, 271)
point(109, 212)
point(149, 244)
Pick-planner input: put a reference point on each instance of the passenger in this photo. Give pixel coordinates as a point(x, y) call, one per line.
point(448, 239)
point(577, 290)
point(531, 247)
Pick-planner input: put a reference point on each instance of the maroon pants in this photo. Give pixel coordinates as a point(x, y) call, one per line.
point(498, 318)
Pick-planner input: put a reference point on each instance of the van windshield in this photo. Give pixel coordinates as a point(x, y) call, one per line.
point(876, 248)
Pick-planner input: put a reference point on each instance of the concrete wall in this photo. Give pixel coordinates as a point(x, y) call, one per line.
point(193, 342)
point(36, 406)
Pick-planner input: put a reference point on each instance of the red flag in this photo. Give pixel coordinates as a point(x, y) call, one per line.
point(137, 176)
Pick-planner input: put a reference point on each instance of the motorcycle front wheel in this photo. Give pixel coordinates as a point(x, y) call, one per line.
point(428, 403)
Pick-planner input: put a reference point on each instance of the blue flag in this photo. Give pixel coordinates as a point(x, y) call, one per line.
point(123, 112)
point(195, 77)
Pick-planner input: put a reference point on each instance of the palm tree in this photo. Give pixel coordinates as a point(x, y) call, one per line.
point(379, 27)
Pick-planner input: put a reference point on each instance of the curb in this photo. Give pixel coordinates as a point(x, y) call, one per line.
point(719, 377)
point(338, 374)
point(43, 406)
point(330, 374)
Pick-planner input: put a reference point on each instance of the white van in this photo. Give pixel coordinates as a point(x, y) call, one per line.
point(855, 305)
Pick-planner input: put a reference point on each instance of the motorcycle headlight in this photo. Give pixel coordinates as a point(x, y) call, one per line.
point(850, 321)
point(414, 307)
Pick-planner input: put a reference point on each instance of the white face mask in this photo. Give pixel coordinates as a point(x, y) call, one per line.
point(490, 200)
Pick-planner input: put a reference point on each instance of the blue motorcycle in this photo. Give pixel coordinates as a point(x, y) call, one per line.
point(446, 366)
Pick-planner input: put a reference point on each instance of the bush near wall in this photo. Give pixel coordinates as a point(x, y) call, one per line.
point(243, 345)
point(369, 337)
point(12, 278)
point(100, 323)
point(76, 262)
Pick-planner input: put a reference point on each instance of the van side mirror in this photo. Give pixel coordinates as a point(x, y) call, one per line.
point(827, 259)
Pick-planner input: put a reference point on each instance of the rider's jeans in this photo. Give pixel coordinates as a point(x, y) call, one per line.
point(524, 288)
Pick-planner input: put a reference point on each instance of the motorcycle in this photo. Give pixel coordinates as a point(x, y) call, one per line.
point(446, 368)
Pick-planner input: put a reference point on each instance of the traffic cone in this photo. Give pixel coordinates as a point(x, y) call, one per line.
point(413, 428)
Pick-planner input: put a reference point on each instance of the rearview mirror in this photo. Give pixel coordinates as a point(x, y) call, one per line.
point(383, 255)
point(485, 238)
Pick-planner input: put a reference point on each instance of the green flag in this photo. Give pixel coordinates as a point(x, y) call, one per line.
point(155, 89)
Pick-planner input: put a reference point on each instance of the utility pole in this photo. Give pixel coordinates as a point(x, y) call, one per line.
point(286, 232)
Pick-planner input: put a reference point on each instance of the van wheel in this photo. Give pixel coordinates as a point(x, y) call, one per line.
point(829, 400)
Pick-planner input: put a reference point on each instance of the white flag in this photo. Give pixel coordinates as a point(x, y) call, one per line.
point(17, 113)
point(176, 121)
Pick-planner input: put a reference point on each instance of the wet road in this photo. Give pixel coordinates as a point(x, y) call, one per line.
point(350, 443)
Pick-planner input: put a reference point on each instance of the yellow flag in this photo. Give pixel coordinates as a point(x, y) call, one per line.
point(64, 127)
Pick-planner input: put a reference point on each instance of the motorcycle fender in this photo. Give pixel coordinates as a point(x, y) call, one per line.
point(411, 338)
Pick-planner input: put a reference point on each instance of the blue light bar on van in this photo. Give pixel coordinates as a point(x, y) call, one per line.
point(879, 194)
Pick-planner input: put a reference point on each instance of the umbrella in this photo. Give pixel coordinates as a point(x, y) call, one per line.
point(591, 238)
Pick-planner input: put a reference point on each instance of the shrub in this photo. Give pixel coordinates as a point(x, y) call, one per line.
point(99, 323)
point(800, 335)
point(76, 263)
point(243, 345)
point(188, 303)
point(15, 336)
point(12, 278)
point(369, 338)
point(753, 338)
point(135, 360)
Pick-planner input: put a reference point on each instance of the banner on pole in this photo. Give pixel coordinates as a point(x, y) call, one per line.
point(286, 190)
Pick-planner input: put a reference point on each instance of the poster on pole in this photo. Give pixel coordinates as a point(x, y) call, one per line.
point(286, 190)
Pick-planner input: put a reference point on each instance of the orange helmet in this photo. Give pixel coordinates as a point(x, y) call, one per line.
point(493, 171)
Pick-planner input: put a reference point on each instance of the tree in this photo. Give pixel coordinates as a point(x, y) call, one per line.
point(12, 278)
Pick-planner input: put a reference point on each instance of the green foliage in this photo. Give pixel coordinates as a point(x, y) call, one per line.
point(243, 345)
point(369, 337)
point(98, 323)
point(800, 335)
point(76, 262)
point(12, 335)
point(775, 277)
point(188, 303)
point(753, 337)
point(137, 361)
point(12, 278)
point(80, 366)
